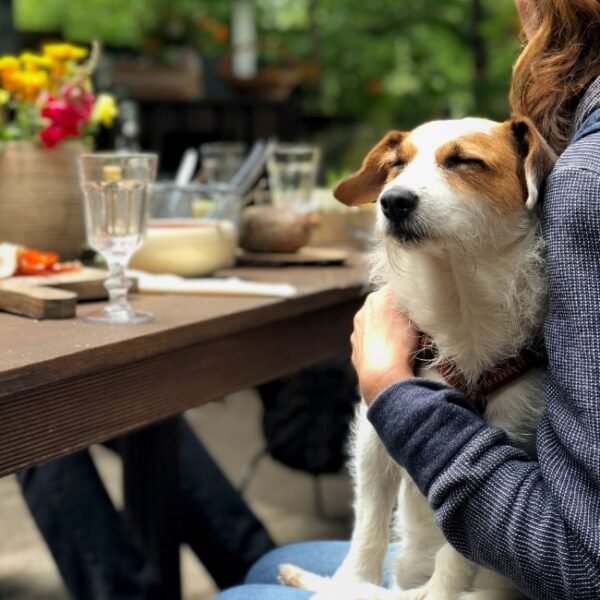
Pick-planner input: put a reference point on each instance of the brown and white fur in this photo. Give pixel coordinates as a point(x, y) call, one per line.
point(464, 256)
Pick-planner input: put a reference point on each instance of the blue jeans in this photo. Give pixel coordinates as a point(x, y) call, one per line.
point(322, 558)
point(94, 551)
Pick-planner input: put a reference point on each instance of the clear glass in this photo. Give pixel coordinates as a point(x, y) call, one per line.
point(292, 172)
point(115, 195)
point(221, 161)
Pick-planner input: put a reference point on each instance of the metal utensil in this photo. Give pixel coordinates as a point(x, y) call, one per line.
point(185, 172)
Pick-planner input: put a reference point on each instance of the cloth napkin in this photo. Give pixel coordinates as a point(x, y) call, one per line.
point(227, 286)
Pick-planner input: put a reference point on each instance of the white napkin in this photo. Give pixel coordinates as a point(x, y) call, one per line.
point(229, 286)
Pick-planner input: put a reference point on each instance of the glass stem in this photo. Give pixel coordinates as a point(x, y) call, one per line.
point(117, 286)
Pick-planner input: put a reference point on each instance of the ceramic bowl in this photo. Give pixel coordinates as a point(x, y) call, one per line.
point(186, 247)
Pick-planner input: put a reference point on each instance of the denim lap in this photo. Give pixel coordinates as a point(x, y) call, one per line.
point(321, 557)
point(263, 591)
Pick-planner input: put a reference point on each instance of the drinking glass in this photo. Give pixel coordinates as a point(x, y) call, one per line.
point(221, 160)
point(292, 170)
point(115, 193)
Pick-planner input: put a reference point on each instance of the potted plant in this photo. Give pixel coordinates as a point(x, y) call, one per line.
point(48, 115)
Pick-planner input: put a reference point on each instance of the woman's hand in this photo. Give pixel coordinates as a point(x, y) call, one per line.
point(384, 344)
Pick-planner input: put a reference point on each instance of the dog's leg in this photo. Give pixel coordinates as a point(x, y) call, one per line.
point(452, 576)
point(376, 478)
point(421, 538)
point(489, 585)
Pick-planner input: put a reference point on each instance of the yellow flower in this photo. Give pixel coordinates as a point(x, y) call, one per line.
point(11, 80)
point(32, 62)
point(35, 81)
point(9, 63)
point(4, 97)
point(65, 51)
point(26, 85)
point(78, 53)
point(105, 110)
point(59, 69)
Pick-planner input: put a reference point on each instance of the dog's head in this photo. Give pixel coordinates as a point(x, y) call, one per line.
point(449, 179)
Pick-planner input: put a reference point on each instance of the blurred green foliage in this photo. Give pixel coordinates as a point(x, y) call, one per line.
point(404, 61)
point(113, 21)
point(384, 63)
point(391, 65)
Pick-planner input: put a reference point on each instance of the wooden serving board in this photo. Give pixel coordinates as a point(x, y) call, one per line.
point(308, 255)
point(51, 296)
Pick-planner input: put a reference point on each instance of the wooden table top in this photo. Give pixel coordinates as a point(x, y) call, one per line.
point(60, 380)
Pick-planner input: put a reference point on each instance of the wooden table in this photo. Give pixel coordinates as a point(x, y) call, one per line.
point(65, 385)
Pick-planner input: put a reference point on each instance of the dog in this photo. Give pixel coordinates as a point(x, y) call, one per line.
point(458, 240)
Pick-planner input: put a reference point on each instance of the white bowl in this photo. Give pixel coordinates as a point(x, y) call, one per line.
point(186, 247)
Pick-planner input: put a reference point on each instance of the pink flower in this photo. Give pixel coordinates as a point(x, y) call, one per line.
point(79, 99)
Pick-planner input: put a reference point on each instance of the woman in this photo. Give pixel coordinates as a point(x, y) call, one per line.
point(542, 518)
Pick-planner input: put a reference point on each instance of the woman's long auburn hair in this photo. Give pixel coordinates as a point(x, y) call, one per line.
point(556, 66)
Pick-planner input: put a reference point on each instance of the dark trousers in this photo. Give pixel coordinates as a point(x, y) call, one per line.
point(93, 549)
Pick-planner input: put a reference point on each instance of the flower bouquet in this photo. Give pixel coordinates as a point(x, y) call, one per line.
point(48, 96)
point(48, 115)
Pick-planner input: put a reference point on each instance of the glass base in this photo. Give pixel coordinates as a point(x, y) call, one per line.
point(126, 316)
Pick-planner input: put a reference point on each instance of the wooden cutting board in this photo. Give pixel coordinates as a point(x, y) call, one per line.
point(51, 296)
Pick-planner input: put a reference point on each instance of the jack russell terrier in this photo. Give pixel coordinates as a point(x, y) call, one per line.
point(458, 239)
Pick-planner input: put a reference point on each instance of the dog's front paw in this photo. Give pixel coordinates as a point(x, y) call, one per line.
point(353, 590)
point(500, 594)
point(421, 593)
point(293, 576)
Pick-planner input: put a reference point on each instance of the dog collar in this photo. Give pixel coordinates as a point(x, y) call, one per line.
point(532, 355)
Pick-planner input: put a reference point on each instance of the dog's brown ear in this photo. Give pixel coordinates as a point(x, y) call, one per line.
point(364, 186)
point(536, 155)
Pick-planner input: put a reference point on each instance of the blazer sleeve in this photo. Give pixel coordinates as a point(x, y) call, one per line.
point(538, 523)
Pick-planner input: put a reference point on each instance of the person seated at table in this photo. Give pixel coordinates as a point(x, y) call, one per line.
point(90, 542)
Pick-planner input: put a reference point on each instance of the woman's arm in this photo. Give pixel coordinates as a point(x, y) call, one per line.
point(536, 522)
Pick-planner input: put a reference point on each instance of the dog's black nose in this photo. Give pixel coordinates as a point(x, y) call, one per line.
point(398, 204)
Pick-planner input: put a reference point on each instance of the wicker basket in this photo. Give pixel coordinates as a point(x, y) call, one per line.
point(40, 199)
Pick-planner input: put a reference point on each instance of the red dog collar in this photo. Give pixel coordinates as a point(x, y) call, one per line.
point(532, 355)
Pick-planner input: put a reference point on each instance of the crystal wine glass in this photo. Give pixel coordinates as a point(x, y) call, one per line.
point(115, 193)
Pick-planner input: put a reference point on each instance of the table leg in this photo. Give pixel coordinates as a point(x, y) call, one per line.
point(151, 489)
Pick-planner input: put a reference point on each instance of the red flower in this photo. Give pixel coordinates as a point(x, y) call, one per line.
point(62, 115)
point(66, 114)
point(51, 135)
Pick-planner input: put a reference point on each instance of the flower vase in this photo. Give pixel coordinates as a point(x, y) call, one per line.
point(40, 198)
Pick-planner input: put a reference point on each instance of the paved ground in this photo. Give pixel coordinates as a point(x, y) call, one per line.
point(283, 498)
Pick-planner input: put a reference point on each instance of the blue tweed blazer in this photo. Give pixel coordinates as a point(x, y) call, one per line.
point(538, 523)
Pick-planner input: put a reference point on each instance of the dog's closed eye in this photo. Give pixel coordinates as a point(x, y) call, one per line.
point(456, 160)
point(398, 163)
